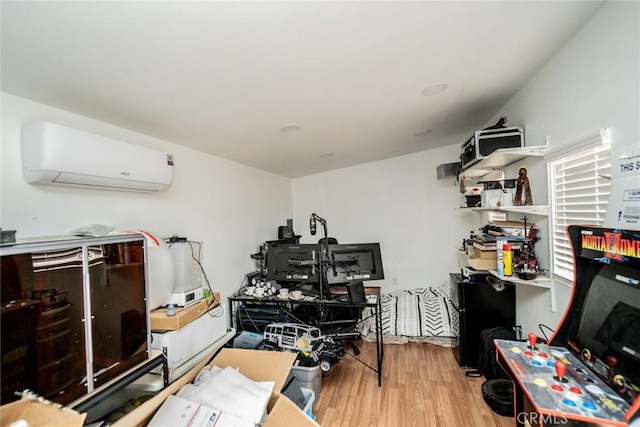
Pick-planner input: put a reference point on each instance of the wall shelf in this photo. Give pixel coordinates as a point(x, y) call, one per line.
point(485, 264)
point(542, 210)
point(540, 281)
point(500, 158)
point(489, 167)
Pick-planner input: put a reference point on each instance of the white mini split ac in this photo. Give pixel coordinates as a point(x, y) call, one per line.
point(57, 155)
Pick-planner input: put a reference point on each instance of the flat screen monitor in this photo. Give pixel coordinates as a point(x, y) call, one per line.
point(293, 263)
point(602, 323)
point(350, 262)
point(607, 334)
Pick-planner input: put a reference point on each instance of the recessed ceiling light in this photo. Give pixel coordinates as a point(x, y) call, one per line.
point(423, 132)
point(435, 89)
point(324, 156)
point(291, 127)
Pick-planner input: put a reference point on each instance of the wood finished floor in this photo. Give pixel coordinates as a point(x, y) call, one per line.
point(422, 385)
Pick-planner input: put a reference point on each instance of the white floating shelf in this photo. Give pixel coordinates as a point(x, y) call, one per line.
point(542, 210)
point(502, 157)
point(540, 281)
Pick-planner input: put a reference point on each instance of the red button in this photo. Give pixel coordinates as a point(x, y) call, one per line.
point(544, 355)
point(556, 387)
point(575, 390)
point(527, 353)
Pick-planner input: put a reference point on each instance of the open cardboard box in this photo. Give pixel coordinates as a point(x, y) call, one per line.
point(256, 365)
point(39, 414)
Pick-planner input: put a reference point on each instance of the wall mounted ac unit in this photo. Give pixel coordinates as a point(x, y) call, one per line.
point(57, 155)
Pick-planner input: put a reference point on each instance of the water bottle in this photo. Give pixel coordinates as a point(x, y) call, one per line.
point(499, 257)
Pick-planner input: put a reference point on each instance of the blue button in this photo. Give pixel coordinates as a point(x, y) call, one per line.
point(568, 402)
point(536, 363)
point(590, 405)
point(551, 364)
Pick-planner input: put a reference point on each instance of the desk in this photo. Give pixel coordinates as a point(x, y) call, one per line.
point(239, 301)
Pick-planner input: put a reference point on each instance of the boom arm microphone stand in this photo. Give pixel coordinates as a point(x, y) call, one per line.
point(324, 252)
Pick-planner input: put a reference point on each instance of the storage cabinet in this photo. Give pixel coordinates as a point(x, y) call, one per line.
point(480, 306)
point(54, 350)
point(18, 364)
point(74, 314)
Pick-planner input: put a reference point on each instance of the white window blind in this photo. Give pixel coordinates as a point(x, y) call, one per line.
point(579, 183)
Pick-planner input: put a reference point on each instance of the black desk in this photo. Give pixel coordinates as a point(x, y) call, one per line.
point(237, 301)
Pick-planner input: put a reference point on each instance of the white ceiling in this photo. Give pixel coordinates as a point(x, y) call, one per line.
point(224, 77)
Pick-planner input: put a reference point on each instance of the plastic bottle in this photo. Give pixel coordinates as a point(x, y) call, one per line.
point(507, 257)
point(499, 257)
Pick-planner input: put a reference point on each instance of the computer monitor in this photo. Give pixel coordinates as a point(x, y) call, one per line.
point(293, 263)
point(350, 262)
point(602, 324)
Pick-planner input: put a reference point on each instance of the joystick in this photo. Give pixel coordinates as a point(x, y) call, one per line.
point(533, 339)
point(561, 369)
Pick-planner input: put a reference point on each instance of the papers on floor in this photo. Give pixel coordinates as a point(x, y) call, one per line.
point(222, 398)
point(179, 412)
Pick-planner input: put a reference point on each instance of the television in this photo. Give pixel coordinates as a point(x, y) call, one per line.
point(350, 262)
point(602, 323)
point(293, 263)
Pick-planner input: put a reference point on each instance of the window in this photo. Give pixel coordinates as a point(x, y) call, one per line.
point(579, 181)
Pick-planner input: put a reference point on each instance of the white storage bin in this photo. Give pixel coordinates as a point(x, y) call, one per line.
point(309, 401)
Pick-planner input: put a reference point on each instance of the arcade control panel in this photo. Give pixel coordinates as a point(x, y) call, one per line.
point(557, 383)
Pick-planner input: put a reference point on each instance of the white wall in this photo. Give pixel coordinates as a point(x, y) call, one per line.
point(398, 202)
point(232, 208)
point(592, 82)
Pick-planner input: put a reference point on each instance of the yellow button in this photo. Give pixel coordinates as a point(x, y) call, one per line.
point(540, 382)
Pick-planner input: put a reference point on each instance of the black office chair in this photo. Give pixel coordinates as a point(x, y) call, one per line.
point(341, 324)
point(329, 241)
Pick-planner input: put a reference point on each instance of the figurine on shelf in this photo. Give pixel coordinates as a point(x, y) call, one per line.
point(523, 189)
point(526, 263)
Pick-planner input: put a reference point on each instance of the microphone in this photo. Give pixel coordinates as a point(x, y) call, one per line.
point(312, 225)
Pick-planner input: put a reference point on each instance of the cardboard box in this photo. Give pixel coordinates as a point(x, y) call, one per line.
point(483, 263)
point(184, 315)
point(465, 260)
point(482, 253)
point(39, 414)
point(256, 365)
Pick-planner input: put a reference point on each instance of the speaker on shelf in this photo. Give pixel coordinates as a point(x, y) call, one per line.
point(356, 291)
point(446, 170)
point(285, 232)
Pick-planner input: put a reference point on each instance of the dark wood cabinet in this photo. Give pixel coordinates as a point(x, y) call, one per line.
point(19, 361)
point(74, 315)
point(54, 350)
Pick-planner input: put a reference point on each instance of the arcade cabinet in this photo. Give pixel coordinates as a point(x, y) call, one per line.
point(589, 373)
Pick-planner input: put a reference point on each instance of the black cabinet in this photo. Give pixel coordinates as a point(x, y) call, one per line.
point(18, 347)
point(73, 314)
point(480, 306)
